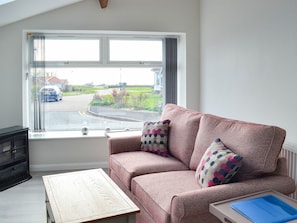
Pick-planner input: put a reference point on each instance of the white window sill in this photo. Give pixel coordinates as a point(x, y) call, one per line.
point(65, 135)
point(78, 134)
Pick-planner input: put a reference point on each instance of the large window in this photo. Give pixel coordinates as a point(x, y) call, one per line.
point(102, 82)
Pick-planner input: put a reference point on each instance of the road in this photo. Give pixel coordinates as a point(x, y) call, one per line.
point(70, 103)
point(72, 113)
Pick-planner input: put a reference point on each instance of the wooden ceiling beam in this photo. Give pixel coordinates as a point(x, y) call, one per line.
point(103, 3)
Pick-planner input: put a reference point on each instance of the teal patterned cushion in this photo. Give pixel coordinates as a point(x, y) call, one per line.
point(218, 165)
point(154, 137)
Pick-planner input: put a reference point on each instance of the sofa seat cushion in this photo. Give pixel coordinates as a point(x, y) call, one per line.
point(155, 191)
point(183, 130)
point(131, 164)
point(258, 144)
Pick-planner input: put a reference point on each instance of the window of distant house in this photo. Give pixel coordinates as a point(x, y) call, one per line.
point(102, 82)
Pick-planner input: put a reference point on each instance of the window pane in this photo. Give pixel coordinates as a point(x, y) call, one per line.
point(100, 98)
point(136, 50)
point(71, 50)
point(92, 94)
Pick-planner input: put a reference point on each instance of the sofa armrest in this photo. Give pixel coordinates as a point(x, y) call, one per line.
point(194, 203)
point(119, 144)
point(282, 167)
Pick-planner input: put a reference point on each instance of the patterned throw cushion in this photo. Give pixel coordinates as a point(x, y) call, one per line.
point(155, 137)
point(218, 165)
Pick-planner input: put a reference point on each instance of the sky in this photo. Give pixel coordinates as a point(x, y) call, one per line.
point(108, 76)
point(89, 50)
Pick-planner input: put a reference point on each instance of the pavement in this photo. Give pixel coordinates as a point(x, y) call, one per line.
point(124, 114)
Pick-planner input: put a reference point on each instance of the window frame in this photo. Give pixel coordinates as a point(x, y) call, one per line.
point(104, 60)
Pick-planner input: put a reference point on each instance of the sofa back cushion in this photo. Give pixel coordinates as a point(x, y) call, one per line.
point(259, 145)
point(183, 130)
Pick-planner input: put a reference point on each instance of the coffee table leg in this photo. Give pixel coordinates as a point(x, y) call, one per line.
point(49, 213)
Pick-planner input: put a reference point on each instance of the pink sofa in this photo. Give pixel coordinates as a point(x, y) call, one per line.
point(165, 188)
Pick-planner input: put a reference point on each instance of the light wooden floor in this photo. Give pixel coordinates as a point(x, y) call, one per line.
point(25, 202)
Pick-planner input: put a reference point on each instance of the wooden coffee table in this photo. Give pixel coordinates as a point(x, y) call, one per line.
point(86, 196)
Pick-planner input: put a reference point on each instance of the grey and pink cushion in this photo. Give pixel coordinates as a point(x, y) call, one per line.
point(218, 165)
point(155, 137)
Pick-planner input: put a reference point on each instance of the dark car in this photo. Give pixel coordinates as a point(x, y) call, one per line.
point(50, 93)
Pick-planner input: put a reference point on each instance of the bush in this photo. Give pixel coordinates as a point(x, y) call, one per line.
point(132, 98)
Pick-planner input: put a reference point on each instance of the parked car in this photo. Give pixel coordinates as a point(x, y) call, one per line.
point(50, 93)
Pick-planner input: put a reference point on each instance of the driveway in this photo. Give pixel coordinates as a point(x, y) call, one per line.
point(78, 103)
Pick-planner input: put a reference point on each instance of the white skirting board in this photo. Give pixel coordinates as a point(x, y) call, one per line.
point(68, 166)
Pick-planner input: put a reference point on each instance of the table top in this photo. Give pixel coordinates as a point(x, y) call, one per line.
point(87, 195)
point(225, 213)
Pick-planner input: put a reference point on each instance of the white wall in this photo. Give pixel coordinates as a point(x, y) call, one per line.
point(127, 15)
point(68, 154)
point(249, 61)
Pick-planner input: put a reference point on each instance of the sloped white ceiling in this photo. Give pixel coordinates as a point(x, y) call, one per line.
point(22, 9)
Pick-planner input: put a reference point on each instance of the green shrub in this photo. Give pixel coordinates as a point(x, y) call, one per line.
point(138, 98)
